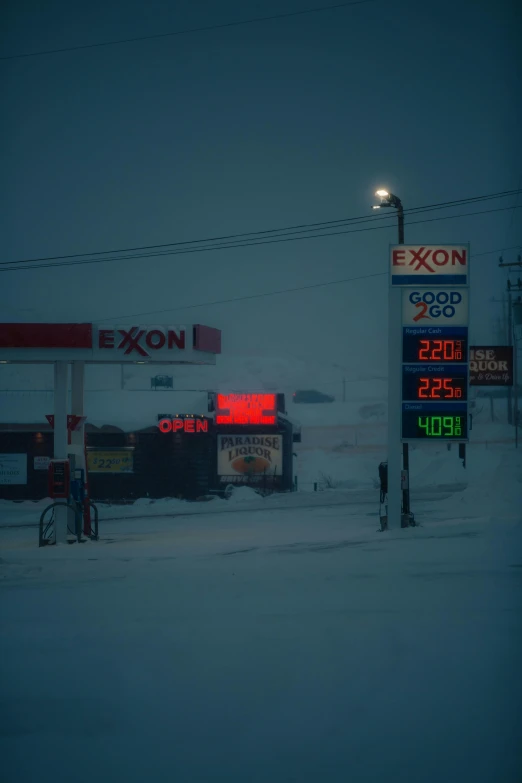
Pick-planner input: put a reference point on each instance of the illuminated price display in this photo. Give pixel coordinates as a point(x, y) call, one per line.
point(435, 378)
point(441, 388)
point(422, 349)
point(441, 425)
point(447, 384)
point(246, 409)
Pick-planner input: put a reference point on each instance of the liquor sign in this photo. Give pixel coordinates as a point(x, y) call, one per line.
point(246, 409)
point(491, 365)
point(255, 455)
point(13, 468)
point(110, 460)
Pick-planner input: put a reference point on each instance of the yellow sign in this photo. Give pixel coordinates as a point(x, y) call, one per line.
point(110, 461)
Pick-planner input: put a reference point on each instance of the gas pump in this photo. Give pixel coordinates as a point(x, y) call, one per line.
point(59, 477)
point(68, 493)
point(78, 486)
point(407, 518)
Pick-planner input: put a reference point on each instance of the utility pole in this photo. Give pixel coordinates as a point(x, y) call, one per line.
point(514, 342)
point(405, 446)
point(510, 334)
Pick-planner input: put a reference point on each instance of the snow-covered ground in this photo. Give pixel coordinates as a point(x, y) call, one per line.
point(276, 640)
point(272, 640)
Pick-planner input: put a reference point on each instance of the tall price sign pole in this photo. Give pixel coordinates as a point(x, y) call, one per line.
point(428, 370)
point(394, 384)
point(429, 304)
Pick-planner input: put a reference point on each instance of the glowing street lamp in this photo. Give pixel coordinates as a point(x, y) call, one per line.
point(388, 199)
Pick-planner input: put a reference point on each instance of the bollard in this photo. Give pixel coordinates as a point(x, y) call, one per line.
point(315, 486)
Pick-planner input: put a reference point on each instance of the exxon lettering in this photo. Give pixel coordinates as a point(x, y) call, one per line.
point(141, 341)
point(429, 258)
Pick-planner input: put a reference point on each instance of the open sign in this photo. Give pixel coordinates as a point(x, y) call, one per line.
point(435, 306)
point(183, 425)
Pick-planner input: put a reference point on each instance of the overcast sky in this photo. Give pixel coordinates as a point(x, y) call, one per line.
point(253, 127)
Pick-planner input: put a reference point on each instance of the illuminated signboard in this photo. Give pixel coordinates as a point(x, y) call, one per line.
point(110, 460)
point(422, 421)
point(435, 382)
point(180, 424)
point(435, 379)
point(246, 409)
point(416, 348)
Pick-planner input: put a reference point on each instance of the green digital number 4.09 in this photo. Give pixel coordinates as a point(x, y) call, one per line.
point(440, 426)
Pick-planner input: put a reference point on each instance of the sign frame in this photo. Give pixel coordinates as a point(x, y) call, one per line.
point(434, 332)
point(256, 451)
point(267, 409)
point(426, 268)
point(93, 450)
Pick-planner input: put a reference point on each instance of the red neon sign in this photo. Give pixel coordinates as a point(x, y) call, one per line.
point(246, 409)
point(183, 425)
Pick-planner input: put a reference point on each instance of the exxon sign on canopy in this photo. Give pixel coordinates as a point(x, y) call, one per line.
point(158, 344)
point(436, 265)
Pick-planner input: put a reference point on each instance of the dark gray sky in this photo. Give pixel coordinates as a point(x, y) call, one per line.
point(265, 125)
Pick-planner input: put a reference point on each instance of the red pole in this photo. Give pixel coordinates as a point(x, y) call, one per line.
point(86, 503)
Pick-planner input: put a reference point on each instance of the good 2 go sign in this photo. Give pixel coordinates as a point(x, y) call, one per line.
point(441, 306)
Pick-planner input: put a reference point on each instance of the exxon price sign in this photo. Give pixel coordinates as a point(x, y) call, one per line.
point(433, 265)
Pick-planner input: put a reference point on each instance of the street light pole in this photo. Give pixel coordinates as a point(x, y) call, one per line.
point(390, 200)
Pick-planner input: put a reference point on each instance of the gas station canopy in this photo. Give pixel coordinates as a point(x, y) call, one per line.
point(106, 343)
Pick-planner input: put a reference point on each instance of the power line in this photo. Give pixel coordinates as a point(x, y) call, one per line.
point(510, 226)
point(249, 296)
point(262, 295)
point(303, 227)
point(248, 244)
point(207, 28)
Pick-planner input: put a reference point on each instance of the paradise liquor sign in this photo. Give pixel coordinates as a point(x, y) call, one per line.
point(491, 365)
point(254, 443)
point(249, 458)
